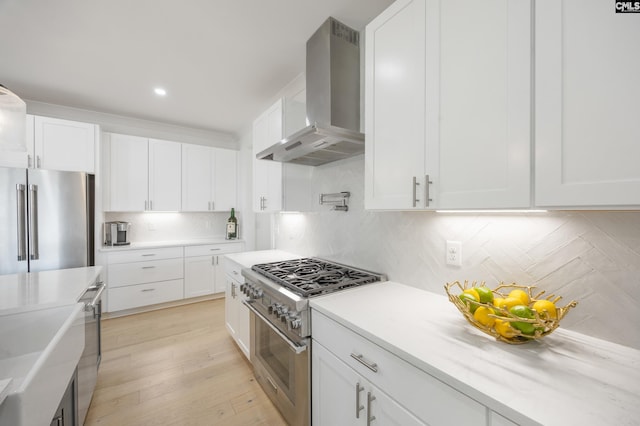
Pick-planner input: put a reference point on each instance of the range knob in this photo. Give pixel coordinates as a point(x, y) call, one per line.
point(277, 309)
point(294, 322)
point(258, 294)
point(272, 308)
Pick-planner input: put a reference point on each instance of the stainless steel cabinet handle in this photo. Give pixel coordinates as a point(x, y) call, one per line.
point(370, 418)
point(29, 161)
point(415, 190)
point(33, 221)
point(235, 272)
point(273, 385)
point(37, 161)
point(233, 290)
point(358, 406)
point(148, 289)
point(148, 267)
point(208, 205)
point(215, 249)
point(22, 225)
point(213, 206)
point(370, 365)
point(426, 190)
point(150, 204)
point(148, 254)
point(95, 299)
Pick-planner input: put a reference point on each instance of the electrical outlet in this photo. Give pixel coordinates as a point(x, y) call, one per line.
point(454, 253)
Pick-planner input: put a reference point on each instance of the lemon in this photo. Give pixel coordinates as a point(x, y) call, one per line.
point(486, 295)
point(546, 309)
point(504, 328)
point(473, 292)
point(506, 303)
point(520, 294)
point(482, 316)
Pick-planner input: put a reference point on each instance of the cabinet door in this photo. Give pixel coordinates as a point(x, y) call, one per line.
point(20, 159)
point(342, 397)
point(395, 106)
point(231, 306)
point(128, 173)
point(218, 275)
point(199, 278)
point(224, 180)
point(165, 188)
point(197, 178)
point(64, 145)
point(267, 175)
point(483, 141)
point(587, 105)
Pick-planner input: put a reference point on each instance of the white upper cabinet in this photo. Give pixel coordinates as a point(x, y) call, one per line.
point(164, 175)
point(448, 105)
point(587, 105)
point(55, 144)
point(209, 180)
point(480, 138)
point(267, 175)
point(144, 175)
point(395, 106)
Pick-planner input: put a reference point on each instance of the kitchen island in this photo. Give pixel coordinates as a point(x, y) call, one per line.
point(42, 339)
point(564, 378)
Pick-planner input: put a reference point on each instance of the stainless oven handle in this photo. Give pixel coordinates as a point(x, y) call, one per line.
point(297, 349)
point(100, 287)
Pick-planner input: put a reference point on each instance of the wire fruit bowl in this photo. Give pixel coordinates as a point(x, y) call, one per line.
point(542, 324)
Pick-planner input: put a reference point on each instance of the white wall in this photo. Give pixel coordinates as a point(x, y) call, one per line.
point(592, 257)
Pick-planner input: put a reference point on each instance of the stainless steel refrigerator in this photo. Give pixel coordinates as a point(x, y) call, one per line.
point(46, 220)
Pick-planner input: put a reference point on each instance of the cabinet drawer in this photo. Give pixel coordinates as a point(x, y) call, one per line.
point(149, 254)
point(144, 294)
point(429, 399)
point(234, 270)
point(124, 274)
point(212, 249)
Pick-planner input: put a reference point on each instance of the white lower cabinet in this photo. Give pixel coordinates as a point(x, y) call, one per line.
point(203, 271)
point(496, 419)
point(135, 296)
point(236, 314)
point(342, 397)
point(348, 371)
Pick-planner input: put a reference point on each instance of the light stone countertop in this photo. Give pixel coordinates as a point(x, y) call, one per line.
point(566, 378)
point(249, 258)
point(25, 291)
point(169, 243)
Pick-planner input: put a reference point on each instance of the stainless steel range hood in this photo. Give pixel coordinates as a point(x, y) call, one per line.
point(333, 101)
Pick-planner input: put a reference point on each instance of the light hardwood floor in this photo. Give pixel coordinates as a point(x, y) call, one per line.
point(176, 366)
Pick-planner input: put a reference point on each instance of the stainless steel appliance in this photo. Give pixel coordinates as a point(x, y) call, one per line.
point(45, 220)
point(116, 233)
point(333, 101)
point(278, 298)
point(92, 354)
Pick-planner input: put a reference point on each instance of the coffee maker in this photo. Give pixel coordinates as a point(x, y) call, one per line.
point(116, 233)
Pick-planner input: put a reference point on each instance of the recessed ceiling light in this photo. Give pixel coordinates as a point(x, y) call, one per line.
point(160, 91)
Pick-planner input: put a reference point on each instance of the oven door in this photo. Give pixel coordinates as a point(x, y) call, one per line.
point(281, 366)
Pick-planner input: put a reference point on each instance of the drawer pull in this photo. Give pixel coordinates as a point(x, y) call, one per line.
point(148, 267)
point(370, 365)
point(215, 249)
point(358, 406)
point(148, 289)
point(235, 272)
point(149, 254)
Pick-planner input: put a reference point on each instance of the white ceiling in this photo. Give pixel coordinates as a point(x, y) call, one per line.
point(221, 61)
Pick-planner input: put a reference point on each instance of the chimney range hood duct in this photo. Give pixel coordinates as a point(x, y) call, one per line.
point(333, 101)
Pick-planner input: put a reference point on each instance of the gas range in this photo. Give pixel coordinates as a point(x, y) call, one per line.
point(280, 291)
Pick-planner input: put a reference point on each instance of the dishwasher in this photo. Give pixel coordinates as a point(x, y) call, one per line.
point(91, 356)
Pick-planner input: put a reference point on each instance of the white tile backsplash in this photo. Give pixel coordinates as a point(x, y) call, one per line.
point(590, 256)
point(165, 226)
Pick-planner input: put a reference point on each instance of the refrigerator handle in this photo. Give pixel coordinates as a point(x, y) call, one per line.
point(33, 222)
point(22, 232)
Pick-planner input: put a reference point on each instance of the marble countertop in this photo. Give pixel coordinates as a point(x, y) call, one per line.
point(249, 258)
point(171, 243)
point(25, 291)
point(564, 378)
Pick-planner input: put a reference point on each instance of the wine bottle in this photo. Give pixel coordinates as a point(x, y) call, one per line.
point(232, 226)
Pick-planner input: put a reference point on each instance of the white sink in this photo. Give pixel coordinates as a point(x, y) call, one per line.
point(39, 351)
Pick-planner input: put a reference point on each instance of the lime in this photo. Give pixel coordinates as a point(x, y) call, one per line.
point(470, 300)
point(523, 311)
point(473, 292)
point(486, 295)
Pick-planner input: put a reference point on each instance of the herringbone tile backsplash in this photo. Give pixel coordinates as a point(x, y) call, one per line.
point(589, 256)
